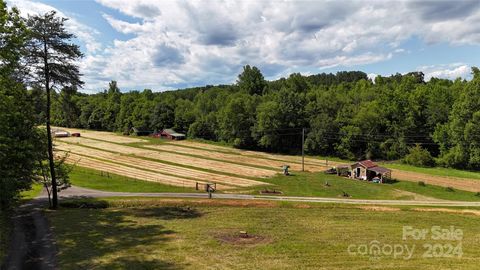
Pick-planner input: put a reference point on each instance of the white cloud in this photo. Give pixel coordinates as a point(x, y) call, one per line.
point(178, 43)
point(450, 71)
point(83, 32)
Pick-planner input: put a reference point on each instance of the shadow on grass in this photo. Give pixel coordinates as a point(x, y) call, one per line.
point(390, 181)
point(114, 238)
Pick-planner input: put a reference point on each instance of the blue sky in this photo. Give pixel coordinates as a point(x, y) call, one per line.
point(171, 44)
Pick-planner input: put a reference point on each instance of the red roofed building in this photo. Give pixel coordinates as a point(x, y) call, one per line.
point(368, 170)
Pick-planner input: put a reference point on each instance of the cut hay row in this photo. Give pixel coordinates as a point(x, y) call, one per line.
point(279, 157)
point(232, 157)
point(134, 173)
point(157, 166)
point(454, 182)
point(213, 165)
point(102, 135)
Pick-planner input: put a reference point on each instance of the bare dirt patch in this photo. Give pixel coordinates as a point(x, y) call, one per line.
point(447, 210)
point(380, 208)
point(237, 238)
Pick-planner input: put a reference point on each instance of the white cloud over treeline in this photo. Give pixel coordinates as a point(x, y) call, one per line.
point(179, 43)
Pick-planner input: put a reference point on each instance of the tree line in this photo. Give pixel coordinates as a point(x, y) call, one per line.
point(35, 53)
point(345, 114)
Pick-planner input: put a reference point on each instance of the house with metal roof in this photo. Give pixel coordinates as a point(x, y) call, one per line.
point(369, 170)
point(172, 134)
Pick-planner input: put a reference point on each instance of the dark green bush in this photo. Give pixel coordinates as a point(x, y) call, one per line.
point(419, 156)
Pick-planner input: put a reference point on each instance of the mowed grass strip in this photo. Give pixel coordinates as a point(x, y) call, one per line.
point(215, 165)
point(158, 167)
point(255, 161)
point(168, 234)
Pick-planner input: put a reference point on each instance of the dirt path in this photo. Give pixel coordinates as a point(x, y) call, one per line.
point(76, 192)
point(32, 245)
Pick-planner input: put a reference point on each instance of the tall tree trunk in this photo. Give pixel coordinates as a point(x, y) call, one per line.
point(49, 133)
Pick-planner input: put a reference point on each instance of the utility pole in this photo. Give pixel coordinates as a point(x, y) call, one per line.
point(303, 151)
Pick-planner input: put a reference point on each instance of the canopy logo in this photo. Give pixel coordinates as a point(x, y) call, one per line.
point(438, 242)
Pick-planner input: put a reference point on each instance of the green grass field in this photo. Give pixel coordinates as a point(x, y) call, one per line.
point(88, 178)
point(32, 193)
point(299, 184)
point(313, 184)
point(169, 234)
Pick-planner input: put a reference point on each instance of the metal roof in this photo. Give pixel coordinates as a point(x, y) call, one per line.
point(173, 132)
point(379, 169)
point(368, 163)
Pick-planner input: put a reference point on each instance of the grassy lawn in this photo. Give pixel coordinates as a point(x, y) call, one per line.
point(436, 191)
point(94, 179)
point(169, 234)
point(313, 184)
point(299, 184)
point(32, 193)
point(439, 171)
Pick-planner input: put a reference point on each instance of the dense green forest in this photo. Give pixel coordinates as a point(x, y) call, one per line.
point(344, 114)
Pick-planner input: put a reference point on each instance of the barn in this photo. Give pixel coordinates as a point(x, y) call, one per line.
point(172, 134)
point(368, 170)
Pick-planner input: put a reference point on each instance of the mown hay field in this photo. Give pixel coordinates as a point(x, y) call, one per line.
point(247, 153)
point(102, 135)
point(159, 167)
point(202, 162)
point(250, 160)
point(183, 160)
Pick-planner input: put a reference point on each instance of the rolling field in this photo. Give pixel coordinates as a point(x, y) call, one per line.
point(180, 159)
point(189, 175)
point(174, 164)
point(247, 153)
point(183, 163)
point(250, 160)
point(103, 135)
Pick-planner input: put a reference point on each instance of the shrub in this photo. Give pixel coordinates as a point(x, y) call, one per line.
point(450, 189)
point(419, 156)
point(422, 184)
point(477, 194)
